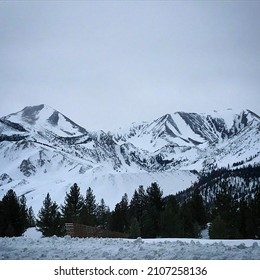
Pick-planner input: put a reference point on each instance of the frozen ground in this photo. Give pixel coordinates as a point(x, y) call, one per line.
point(33, 247)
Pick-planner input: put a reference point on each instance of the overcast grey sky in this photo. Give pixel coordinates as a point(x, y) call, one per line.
point(108, 63)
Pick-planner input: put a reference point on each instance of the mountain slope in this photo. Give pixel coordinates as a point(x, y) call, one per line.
point(195, 141)
point(41, 151)
point(241, 183)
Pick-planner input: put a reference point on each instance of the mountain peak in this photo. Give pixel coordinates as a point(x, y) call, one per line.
point(30, 114)
point(43, 116)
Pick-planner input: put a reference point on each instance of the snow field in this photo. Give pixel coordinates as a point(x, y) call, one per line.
point(33, 247)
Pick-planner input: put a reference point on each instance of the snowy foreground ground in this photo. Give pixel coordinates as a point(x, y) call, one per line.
point(33, 247)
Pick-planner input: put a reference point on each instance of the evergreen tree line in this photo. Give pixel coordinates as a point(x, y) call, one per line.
point(248, 173)
point(232, 218)
point(243, 183)
point(147, 214)
point(76, 209)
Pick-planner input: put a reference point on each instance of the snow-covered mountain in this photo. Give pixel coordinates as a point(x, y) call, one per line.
point(41, 151)
point(196, 141)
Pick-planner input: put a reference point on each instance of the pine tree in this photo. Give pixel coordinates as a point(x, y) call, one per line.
point(13, 219)
point(31, 218)
point(170, 219)
point(243, 216)
point(73, 204)
point(88, 212)
point(2, 219)
point(150, 220)
point(49, 220)
point(154, 196)
point(225, 209)
point(120, 221)
point(218, 228)
point(198, 209)
point(255, 214)
point(102, 214)
point(190, 226)
point(134, 230)
point(90, 202)
point(138, 203)
point(148, 225)
point(133, 207)
point(24, 210)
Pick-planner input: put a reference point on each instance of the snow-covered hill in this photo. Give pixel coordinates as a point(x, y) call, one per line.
point(41, 151)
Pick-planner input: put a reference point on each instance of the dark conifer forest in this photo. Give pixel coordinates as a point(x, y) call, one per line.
point(225, 201)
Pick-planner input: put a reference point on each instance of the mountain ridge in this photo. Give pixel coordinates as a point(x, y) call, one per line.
point(42, 150)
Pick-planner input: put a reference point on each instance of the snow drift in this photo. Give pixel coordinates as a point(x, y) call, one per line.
point(33, 247)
